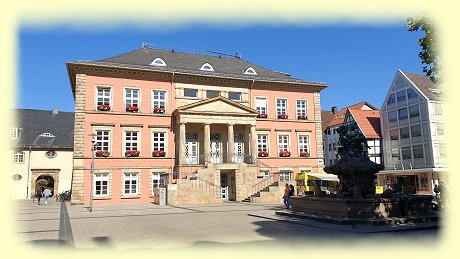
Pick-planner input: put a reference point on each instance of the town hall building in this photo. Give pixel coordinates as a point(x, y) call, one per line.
point(209, 128)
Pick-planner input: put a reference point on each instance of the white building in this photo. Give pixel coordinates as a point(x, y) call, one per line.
point(413, 134)
point(41, 147)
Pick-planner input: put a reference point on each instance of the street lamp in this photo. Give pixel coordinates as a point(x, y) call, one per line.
point(93, 146)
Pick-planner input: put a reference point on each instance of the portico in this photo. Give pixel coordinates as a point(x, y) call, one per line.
point(216, 130)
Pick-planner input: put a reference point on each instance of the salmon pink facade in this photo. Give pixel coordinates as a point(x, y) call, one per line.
point(206, 128)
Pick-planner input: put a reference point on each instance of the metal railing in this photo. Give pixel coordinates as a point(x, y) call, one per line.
point(402, 166)
point(204, 185)
point(217, 158)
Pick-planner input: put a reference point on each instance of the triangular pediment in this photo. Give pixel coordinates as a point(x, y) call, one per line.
point(217, 104)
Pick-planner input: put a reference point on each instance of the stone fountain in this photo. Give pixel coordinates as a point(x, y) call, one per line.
point(355, 197)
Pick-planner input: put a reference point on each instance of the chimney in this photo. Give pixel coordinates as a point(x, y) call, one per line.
point(54, 111)
point(334, 110)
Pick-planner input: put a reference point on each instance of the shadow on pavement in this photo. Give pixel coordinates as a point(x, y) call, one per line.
point(102, 241)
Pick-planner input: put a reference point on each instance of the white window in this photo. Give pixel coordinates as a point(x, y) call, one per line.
point(101, 185)
point(212, 94)
point(159, 99)
point(303, 144)
point(261, 105)
point(130, 182)
point(131, 97)
point(440, 128)
point(438, 109)
point(250, 71)
point(103, 140)
point(235, 96)
point(283, 143)
point(159, 141)
point(131, 140)
point(18, 157)
point(103, 96)
point(286, 176)
point(207, 67)
point(281, 106)
point(14, 133)
point(262, 142)
point(301, 107)
point(155, 181)
point(189, 92)
point(158, 62)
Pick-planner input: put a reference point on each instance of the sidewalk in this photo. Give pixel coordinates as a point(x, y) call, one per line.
point(43, 224)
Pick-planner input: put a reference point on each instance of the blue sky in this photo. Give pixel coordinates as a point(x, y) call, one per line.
point(357, 61)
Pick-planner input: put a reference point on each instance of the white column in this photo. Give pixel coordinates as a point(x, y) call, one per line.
point(247, 140)
point(182, 144)
point(253, 142)
point(231, 144)
point(207, 142)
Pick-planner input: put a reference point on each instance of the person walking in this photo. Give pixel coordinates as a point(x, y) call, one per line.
point(46, 194)
point(286, 198)
point(291, 193)
point(39, 195)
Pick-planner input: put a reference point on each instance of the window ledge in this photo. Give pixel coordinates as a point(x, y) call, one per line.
point(131, 197)
point(102, 198)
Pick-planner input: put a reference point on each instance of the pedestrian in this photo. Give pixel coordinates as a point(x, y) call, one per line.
point(291, 193)
point(436, 191)
point(46, 194)
point(286, 199)
point(39, 195)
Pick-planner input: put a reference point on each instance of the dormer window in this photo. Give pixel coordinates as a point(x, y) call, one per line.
point(14, 133)
point(250, 71)
point(158, 62)
point(46, 134)
point(207, 67)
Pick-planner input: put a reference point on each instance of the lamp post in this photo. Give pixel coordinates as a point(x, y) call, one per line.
point(93, 146)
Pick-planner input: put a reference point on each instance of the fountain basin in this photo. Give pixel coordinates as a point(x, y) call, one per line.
point(363, 208)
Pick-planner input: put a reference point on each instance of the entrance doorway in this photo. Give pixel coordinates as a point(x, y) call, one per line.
point(191, 148)
point(227, 185)
point(216, 146)
point(406, 183)
point(238, 149)
point(45, 182)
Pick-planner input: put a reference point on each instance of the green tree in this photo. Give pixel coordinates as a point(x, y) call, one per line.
point(429, 52)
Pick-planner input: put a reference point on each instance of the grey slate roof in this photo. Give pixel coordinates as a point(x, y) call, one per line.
point(191, 63)
point(33, 123)
point(425, 85)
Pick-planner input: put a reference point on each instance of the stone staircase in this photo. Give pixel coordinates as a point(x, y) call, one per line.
point(269, 194)
point(194, 190)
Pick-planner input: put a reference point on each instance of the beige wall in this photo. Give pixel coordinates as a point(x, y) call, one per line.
point(38, 161)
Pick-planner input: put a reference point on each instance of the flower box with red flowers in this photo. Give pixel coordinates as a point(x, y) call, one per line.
point(132, 153)
point(282, 116)
point(285, 154)
point(103, 107)
point(159, 110)
point(304, 154)
point(262, 115)
point(158, 153)
point(302, 117)
point(263, 154)
point(102, 153)
point(132, 108)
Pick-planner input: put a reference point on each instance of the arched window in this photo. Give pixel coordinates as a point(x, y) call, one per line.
point(250, 71)
point(207, 67)
point(158, 62)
